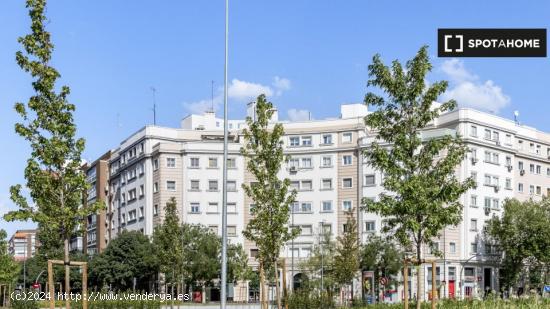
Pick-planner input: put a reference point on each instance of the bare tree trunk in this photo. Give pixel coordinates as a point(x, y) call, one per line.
point(262, 287)
point(67, 273)
point(277, 288)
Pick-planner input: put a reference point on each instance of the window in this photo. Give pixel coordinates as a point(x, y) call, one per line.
point(305, 252)
point(520, 165)
point(231, 186)
point(132, 216)
point(327, 161)
point(487, 181)
point(538, 169)
point(452, 247)
point(231, 163)
point(306, 185)
point(306, 140)
point(132, 195)
point(487, 134)
point(306, 163)
point(123, 197)
point(232, 208)
point(306, 230)
point(508, 139)
point(231, 231)
point(495, 136)
point(194, 162)
point(327, 139)
point(473, 225)
point(347, 183)
point(212, 207)
point(326, 229)
point(123, 218)
point(212, 185)
point(326, 206)
point(469, 271)
point(213, 229)
point(171, 185)
point(532, 168)
point(294, 141)
point(496, 203)
point(487, 204)
point(346, 137)
point(435, 248)
point(326, 184)
point(508, 184)
point(473, 247)
point(474, 177)
point(346, 205)
point(473, 200)
point(347, 160)
point(212, 162)
point(474, 153)
point(194, 208)
point(539, 190)
point(141, 191)
point(508, 161)
point(473, 131)
point(520, 187)
point(155, 187)
point(495, 159)
point(531, 189)
point(305, 207)
point(141, 168)
point(548, 171)
point(295, 185)
point(195, 185)
point(156, 210)
point(370, 226)
point(294, 163)
point(488, 156)
point(170, 162)
point(370, 180)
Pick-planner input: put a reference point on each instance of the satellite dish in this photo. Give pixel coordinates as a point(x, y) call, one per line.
point(516, 113)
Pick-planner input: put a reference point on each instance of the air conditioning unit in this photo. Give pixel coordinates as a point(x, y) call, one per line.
point(522, 172)
point(497, 188)
point(509, 168)
point(549, 157)
point(293, 169)
point(498, 143)
point(487, 211)
point(474, 161)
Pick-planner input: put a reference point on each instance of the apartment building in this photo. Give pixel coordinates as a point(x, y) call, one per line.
point(23, 244)
point(97, 231)
point(331, 176)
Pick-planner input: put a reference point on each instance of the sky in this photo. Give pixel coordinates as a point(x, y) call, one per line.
point(307, 56)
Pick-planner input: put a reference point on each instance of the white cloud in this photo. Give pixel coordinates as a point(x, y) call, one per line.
point(298, 114)
point(455, 70)
point(280, 84)
point(468, 90)
point(245, 91)
point(239, 91)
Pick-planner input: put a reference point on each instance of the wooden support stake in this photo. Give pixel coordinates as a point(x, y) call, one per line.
point(433, 284)
point(51, 285)
point(85, 286)
point(406, 284)
point(285, 294)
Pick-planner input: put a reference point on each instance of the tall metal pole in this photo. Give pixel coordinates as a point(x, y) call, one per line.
point(224, 202)
point(292, 258)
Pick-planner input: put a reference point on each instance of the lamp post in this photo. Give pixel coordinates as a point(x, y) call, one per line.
point(224, 198)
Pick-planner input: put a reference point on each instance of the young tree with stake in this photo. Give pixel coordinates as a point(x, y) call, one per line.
point(422, 190)
point(272, 198)
point(54, 177)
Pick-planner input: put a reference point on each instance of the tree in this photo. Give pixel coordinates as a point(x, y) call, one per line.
point(263, 150)
point(53, 173)
point(422, 190)
point(381, 256)
point(128, 257)
point(321, 264)
point(523, 238)
point(9, 268)
point(346, 260)
point(168, 243)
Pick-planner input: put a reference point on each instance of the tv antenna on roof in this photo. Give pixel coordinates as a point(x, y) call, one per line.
point(154, 106)
point(516, 116)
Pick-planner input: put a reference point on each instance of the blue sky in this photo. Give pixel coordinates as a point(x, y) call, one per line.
point(311, 56)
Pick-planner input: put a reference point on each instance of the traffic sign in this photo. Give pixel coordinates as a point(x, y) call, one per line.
point(383, 280)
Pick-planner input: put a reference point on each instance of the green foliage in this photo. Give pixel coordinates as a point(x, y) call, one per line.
point(308, 299)
point(24, 304)
point(422, 189)
point(322, 258)
point(346, 260)
point(268, 227)
point(523, 236)
point(381, 256)
point(168, 243)
point(53, 173)
point(130, 255)
point(8, 266)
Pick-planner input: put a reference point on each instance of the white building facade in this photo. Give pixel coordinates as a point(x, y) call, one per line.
point(331, 176)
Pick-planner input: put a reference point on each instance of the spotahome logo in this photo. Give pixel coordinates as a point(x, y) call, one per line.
point(491, 42)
